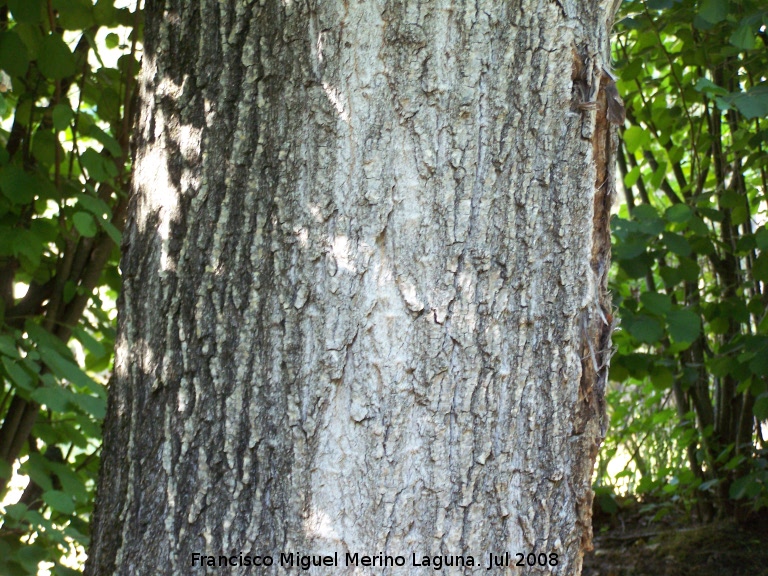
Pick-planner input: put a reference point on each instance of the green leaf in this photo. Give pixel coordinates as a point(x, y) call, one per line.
point(99, 168)
point(759, 364)
point(645, 212)
point(652, 227)
point(32, 37)
point(752, 104)
point(88, 426)
point(632, 70)
point(676, 243)
point(71, 483)
point(678, 213)
point(69, 434)
point(69, 291)
point(689, 269)
point(646, 329)
point(748, 486)
point(701, 245)
point(711, 214)
point(743, 37)
point(16, 511)
point(635, 365)
point(62, 116)
point(74, 14)
point(630, 249)
point(55, 60)
point(18, 375)
point(660, 4)
point(662, 377)
point(6, 470)
point(31, 555)
point(105, 12)
point(44, 145)
point(607, 502)
point(64, 368)
point(108, 105)
point(53, 397)
point(710, 88)
point(90, 343)
point(684, 325)
point(28, 11)
point(637, 267)
point(739, 215)
point(45, 339)
point(29, 249)
point(761, 238)
point(656, 302)
point(676, 154)
point(112, 40)
point(96, 407)
point(698, 227)
point(111, 231)
point(662, 416)
point(631, 178)
point(14, 57)
point(36, 467)
point(635, 138)
point(85, 224)
point(95, 206)
point(658, 175)
point(8, 347)
point(109, 143)
point(760, 267)
point(59, 501)
point(713, 11)
point(760, 409)
point(17, 185)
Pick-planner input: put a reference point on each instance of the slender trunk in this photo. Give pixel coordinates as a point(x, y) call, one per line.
point(363, 305)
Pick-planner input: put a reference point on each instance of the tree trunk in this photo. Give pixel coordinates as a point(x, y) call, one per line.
point(364, 288)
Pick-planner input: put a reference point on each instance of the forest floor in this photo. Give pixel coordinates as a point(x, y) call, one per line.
point(632, 543)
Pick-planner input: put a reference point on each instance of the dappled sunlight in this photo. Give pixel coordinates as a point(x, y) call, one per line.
point(16, 485)
point(341, 250)
point(318, 525)
point(158, 201)
point(302, 235)
point(337, 99)
point(316, 213)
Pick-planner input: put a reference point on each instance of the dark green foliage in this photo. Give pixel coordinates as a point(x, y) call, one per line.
point(64, 176)
point(691, 254)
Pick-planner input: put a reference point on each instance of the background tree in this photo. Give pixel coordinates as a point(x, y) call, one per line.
point(63, 174)
point(363, 283)
point(690, 247)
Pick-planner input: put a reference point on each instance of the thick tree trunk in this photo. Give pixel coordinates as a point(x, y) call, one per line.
point(363, 280)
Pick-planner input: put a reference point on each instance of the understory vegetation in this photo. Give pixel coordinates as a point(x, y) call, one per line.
point(68, 85)
point(688, 401)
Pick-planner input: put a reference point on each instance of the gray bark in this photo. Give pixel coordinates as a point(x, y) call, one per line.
point(364, 282)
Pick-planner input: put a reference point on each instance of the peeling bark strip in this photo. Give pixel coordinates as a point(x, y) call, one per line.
point(364, 286)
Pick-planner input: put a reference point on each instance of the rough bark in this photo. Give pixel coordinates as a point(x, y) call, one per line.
point(363, 304)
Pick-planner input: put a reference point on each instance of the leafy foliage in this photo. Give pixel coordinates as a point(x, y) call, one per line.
point(691, 254)
point(64, 172)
